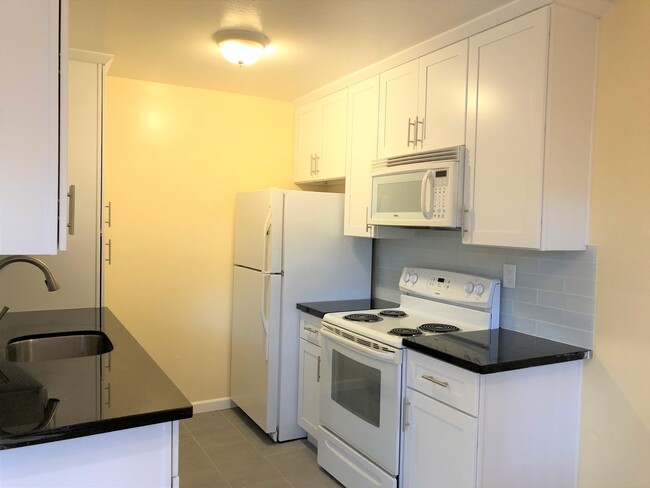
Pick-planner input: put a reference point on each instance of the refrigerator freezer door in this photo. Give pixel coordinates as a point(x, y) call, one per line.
point(258, 230)
point(255, 346)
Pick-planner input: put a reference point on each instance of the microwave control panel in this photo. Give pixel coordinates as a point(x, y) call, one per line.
point(441, 194)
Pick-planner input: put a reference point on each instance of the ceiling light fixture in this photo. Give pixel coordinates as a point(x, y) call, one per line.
point(239, 46)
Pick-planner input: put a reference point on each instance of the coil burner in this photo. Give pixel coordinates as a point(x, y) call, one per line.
point(363, 317)
point(398, 314)
point(404, 332)
point(438, 328)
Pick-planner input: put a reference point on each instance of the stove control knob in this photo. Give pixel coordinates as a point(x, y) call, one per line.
point(414, 278)
point(407, 277)
point(479, 289)
point(469, 287)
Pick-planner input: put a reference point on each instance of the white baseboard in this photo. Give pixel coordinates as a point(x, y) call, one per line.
point(212, 405)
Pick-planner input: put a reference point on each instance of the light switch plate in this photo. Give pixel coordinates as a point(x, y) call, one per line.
point(509, 275)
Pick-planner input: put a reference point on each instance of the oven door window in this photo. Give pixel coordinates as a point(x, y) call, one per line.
point(356, 387)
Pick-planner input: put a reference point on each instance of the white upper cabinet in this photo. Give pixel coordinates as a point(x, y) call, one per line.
point(321, 129)
point(422, 103)
point(363, 113)
point(32, 148)
point(398, 106)
point(530, 97)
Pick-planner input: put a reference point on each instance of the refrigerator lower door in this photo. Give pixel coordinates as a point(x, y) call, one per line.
point(255, 346)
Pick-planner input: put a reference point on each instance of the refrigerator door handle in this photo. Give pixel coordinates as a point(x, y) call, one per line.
point(266, 239)
point(265, 319)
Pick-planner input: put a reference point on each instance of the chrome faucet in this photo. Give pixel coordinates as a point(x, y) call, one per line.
point(50, 280)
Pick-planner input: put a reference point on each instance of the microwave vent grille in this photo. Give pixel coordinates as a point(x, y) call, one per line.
point(455, 153)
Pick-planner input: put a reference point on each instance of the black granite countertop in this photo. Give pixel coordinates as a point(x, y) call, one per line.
point(118, 390)
point(495, 350)
point(319, 309)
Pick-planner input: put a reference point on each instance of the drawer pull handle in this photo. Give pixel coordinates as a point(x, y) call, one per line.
point(427, 377)
point(311, 329)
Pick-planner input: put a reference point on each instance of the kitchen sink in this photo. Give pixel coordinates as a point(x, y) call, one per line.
point(60, 345)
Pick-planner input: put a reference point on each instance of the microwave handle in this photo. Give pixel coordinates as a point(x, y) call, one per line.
point(426, 203)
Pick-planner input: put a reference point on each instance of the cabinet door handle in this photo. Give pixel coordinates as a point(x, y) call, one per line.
point(405, 409)
point(368, 226)
point(71, 210)
point(318, 371)
point(317, 161)
point(311, 164)
point(430, 378)
point(109, 247)
point(107, 401)
point(408, 140)
point(465, 223)
point(418, 122)
point(108, 214)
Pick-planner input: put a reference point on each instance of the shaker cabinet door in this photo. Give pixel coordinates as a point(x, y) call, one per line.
point(31, 164)
point(505, 134)
point(443, 95)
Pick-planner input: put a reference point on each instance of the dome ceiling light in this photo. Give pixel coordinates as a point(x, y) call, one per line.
point(239, 46)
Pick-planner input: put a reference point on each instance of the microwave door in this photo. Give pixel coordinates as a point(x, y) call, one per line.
point(399, 199)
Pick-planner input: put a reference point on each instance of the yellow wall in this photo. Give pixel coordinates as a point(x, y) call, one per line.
point(615, 449)
point(174, 159)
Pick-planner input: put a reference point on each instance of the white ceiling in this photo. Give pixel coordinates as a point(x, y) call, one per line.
point(314, 41)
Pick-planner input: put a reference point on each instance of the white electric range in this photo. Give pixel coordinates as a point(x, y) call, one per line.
point(362, 368)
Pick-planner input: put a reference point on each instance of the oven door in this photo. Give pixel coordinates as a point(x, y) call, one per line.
point(360, 394)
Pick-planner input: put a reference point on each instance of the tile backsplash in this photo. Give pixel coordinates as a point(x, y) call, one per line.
point(554, 293)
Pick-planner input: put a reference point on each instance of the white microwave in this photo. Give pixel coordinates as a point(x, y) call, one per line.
point(419, 190)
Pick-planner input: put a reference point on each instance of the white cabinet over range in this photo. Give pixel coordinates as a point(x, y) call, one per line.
point(515, 87)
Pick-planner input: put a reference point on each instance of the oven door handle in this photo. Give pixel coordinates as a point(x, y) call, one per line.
point(387, 357)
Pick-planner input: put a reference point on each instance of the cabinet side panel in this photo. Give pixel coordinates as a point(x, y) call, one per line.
point(529, 427)
point(568, 129)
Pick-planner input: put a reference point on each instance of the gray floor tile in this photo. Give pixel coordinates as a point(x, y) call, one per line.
point(225, 449)
point(205, 478)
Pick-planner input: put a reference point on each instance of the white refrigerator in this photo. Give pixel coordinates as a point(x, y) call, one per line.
point(289, 248)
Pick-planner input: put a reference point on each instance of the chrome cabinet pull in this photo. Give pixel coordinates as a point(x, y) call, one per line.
point(318, 371)
point(109, 246)
point(311, 164)
point(108, 214)
point(310, 329)
point(418, 122)
point(409, 141)
point(430, 378)
point(71, 204)
point(465, 223)
point(107, 389)
point(405, 408)
point(316, 161)
point(368, 226)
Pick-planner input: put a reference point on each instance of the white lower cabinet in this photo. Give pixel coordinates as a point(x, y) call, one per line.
point(309, 374)
point(143, 457)
point(439, 444)
point(514, 429)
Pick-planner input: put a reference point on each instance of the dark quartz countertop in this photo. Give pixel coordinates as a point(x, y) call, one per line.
point(495, 350)
point(118, 390)
point(319, 309)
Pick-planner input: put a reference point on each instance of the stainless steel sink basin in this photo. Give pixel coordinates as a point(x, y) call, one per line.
point(61, 345)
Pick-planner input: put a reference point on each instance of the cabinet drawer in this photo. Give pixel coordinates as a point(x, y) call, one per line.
point(449, 384)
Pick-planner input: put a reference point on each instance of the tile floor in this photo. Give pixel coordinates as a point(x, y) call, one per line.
point(225, 449)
